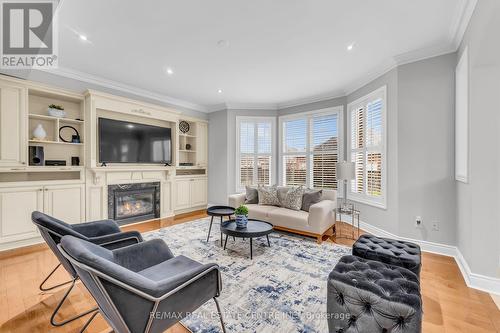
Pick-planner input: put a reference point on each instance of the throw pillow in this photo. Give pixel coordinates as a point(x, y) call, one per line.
point(310, 198)
point(293, 198)
point(252, 195)
point(268, 195)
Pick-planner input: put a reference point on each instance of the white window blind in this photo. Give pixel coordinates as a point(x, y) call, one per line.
point(367, 148)
point(254, 151)
point(310, 148)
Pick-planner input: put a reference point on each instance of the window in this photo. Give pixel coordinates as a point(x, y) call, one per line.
point(366, 148)
point(254, 153)
point(310, 148)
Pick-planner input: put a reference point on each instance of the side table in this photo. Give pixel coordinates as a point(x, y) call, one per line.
point(351, 211)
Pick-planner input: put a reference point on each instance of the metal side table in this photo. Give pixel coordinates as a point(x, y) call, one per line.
point(349, 211)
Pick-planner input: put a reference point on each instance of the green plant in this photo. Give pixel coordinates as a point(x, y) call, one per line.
point(241, 210)
point(58, 107)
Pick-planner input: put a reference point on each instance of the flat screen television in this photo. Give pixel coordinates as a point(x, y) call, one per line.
point(127, 142)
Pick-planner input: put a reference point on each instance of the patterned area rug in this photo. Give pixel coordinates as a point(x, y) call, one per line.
point(283, 289)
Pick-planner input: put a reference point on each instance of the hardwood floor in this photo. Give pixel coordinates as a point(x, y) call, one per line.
point(449, 305)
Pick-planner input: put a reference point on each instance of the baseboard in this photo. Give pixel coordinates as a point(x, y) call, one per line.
point(473, 280)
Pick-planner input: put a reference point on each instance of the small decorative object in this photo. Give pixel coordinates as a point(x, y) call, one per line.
point(56, 111)
point(241, 216)
point(74, 138)
point(75, 160)
point(184, 126)
point(39, 132)
point(188, 146)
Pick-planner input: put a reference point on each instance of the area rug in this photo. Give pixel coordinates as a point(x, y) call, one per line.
point(283, 289)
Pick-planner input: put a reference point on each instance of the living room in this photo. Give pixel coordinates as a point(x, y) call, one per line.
point(230, 166)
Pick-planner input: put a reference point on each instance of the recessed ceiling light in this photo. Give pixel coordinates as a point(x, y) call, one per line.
point(169, 71)
point(83, 37)
point(350, 47)
point(219, 91)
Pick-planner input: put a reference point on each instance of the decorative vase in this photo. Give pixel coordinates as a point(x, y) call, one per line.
point(188, 146)
point(56, 113)
point(241, 221)
point(39, 133)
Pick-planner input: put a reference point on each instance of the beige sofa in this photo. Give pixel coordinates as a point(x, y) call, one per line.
point(315, 223)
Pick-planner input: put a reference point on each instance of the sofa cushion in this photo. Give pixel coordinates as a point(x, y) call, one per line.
point(268, 195)
point(260, 212)
point(293, 219)
point(293, 198)
point(252, 195)
point(309, 198)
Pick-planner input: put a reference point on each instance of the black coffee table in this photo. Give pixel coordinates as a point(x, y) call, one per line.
point(218, 211)
point(254, 229)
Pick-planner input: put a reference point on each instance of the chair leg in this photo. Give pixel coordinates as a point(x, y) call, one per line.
point(89, 321)
point(220, 315)
point(58, 307)
point(42, 288)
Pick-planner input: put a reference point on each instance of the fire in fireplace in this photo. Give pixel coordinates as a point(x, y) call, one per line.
point(129, 203)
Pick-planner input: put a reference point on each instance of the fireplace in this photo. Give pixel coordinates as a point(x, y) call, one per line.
point(128, 203)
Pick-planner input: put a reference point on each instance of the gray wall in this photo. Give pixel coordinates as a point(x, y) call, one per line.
point(426, 175)
point(386, 219)
point(217, 158)
point(478, 201)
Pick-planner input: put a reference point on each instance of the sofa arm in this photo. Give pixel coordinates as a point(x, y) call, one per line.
point(322, 215)
point(236, 200)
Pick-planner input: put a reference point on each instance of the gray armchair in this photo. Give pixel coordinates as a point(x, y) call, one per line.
point(105, 233)
point(142, 287)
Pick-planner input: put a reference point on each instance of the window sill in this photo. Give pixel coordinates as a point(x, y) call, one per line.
point(366, 201)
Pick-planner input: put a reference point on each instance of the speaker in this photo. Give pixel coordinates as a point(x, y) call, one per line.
point(36, 155)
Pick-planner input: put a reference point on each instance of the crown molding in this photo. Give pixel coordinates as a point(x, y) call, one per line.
point(461, 22)
point(110, 84)
point(311, 99)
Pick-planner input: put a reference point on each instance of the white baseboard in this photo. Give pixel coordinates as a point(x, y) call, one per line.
point(473, 280)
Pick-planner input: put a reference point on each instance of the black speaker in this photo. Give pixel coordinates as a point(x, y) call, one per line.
point(36, 155)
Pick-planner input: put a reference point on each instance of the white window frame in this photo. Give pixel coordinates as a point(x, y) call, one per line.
point(339, 111)
point(272, 169)
point(381, 201)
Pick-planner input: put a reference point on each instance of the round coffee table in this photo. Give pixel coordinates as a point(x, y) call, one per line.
point(218, 211)
point(254, 229)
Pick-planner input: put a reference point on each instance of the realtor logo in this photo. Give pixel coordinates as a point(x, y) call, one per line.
point(28, 35)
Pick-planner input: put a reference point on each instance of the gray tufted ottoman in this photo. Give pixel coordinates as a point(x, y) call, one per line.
point(389, 251)
point(369, 296)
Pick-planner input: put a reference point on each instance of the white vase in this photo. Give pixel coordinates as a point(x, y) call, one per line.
point(39, 133)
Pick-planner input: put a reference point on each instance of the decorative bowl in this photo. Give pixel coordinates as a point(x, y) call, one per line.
point(56, 113)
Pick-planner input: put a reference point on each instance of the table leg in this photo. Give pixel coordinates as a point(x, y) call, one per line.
point(251, 253)
point(210, 228)
point(268, 243)
point(225, 242)
point(221, 239)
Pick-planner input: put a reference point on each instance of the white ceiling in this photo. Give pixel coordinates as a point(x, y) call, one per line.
point(279, 52)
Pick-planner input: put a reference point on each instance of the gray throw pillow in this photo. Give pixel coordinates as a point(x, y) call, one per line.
point(252, 195)
point(293, 198)
point(309, 198)
point(268, 195)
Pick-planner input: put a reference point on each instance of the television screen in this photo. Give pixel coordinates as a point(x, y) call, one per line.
point(126, 142)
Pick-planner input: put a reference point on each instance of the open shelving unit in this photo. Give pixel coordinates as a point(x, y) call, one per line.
point(188, 138)
point(54, 147)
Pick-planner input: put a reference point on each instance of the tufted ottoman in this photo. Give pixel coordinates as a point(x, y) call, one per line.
point(389, 251)
point(369, 296)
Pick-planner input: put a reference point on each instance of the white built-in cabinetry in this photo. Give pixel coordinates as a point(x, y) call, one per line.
point(13, 124)
point(77, 194)
point(190, 193)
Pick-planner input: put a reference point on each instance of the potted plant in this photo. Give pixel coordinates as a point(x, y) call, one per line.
point(56, 111)
point(241, 216)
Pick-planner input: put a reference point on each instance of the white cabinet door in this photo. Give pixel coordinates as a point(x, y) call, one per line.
point(65, 202)
point(182, 194)
point(16, 206)
point(12, 125)
point(202, 145)
point(166, 199)
point(198, 192)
